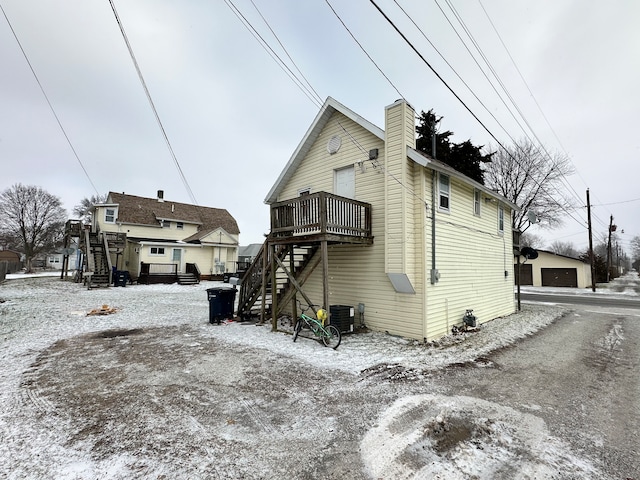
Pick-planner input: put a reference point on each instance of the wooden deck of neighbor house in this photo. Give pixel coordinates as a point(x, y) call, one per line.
point(301, 230)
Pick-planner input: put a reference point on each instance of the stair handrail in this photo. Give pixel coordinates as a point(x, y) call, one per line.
point(105, 243)
point(91, 267)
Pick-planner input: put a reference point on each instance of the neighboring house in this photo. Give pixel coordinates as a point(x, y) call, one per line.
point(54, 261)
point(11, 260)
point(553, 270)
point(10, 256)
point(248, 253)
point(157, 238)
point(404, 240)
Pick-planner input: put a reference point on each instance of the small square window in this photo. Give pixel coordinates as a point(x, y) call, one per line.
point(165, 223)
point(180, 225)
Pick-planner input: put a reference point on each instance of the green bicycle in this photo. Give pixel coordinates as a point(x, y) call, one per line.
point(329, 334)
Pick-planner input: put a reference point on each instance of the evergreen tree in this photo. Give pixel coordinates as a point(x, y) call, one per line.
point(463, 157)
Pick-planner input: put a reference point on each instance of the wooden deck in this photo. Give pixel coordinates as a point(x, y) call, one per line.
point(321, 217)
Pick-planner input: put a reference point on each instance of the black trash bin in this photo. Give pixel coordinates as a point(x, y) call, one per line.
point(221, 302)
point(120, 278)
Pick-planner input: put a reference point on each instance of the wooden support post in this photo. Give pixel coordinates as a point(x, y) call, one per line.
point(325, 276)
point(292, 266)
point(265, 264)
point(274, 290)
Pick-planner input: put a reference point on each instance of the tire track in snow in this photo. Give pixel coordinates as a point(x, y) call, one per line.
point(258, 417)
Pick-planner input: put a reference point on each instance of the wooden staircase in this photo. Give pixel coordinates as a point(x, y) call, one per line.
point(256, 289)
point(187, 279)
point(97, 261)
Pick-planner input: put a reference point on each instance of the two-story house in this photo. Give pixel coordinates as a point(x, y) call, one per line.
point(156, 240)
point(404, 240)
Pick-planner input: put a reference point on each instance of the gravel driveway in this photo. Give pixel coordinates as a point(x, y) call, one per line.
point(153, 390)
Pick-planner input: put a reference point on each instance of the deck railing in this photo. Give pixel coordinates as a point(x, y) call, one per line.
point(320, 213)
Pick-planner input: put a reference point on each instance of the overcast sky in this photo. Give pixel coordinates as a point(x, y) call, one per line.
point(233, 117)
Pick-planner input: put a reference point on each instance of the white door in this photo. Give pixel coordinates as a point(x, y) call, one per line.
point(177, 258)
point(345, 182)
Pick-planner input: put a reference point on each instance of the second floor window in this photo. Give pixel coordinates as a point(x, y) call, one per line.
point(180, 225)
point(444, 188)
point(110, 215)
point(166, 224)
point(501, 219)
point(156, 250)
point(476, 202)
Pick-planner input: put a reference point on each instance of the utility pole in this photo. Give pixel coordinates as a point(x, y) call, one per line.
point(591, 259)
point(611, 229)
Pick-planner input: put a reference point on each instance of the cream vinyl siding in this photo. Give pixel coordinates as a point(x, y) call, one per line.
point(357, 273)
point(145, 231)
point(316, 171)
point(471, 257)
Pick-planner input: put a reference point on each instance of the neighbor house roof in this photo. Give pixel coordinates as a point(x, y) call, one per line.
point(250, 250)
point(561, 255)
point(322, 118)
point(149, 211)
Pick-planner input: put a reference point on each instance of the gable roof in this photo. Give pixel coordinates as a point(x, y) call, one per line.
point(328, 109)
point(548, 252)
point(149, 211)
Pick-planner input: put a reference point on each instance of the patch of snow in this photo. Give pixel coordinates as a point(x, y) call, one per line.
point(35, 313)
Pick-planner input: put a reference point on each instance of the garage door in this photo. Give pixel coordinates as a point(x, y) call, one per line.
point(526, 273)
point(559, 277)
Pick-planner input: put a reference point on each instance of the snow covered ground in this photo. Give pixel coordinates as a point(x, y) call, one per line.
point(45, 331)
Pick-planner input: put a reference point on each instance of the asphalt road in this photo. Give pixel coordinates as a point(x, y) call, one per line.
point(585, 298)
point(579, 374)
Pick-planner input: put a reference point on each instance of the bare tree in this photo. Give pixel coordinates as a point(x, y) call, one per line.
point(532, 240)
point(563, 248)
point(635, 248)
point(531, 179)
point(83, 209)
point(34, 217)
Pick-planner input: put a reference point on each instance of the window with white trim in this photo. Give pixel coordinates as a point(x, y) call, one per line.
point(165, 223)
point(180, 225)
point(110, 215)
point(500, 219)
point(476, 202)
point(158, 251)
point(444, 189)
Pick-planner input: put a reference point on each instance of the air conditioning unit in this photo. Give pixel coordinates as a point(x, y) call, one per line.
point(342, 317)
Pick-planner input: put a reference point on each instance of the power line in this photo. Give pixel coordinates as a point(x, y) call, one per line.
point(540, 145)
point(53, 111)
point(286, 52)
point(363, 49)
point(153, 107)
point(616, 203)
point(309, 92)
point(424, 60)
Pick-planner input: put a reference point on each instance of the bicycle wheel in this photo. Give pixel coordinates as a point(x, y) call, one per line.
point(296, 329)
point(332, 338)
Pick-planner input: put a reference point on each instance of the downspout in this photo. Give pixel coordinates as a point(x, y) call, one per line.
point(434, 275)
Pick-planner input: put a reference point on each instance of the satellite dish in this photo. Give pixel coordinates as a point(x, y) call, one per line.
point(531, 216)
point(529, 253)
